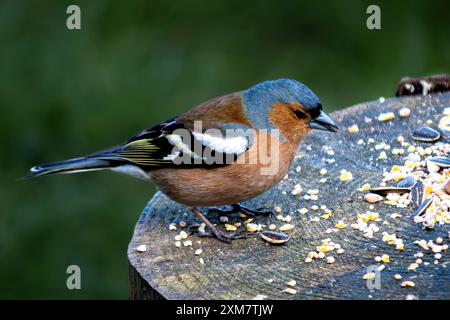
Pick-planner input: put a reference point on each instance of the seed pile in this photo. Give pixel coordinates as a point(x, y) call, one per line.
point(420, 182)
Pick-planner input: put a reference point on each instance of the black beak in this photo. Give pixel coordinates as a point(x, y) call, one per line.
point(323, 122)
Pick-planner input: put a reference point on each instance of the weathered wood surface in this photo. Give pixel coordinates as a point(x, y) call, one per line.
point(241, 270)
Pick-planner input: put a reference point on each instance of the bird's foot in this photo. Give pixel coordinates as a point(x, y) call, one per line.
point(240, 208)
point(255, 212)
point(223, 236)
point(214, 232)
point(221, 211)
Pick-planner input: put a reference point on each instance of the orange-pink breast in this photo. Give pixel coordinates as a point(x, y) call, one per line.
point(263, 168)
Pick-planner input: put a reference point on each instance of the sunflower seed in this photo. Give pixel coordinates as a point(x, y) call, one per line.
point(420, 211)
point(442, 162)
point(408, 182)
point(275, 237)
point(417, 194)
point(426, 134)
point(386, 190)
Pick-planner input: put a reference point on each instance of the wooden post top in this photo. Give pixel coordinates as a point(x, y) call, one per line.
point(252, 268)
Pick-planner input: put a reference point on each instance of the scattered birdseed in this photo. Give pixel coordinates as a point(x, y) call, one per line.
point(201, 261)
point(372, 198)
point(223, 219)
point(178, 244)
point(385, 258)
point(230, 227)
point(297, 190)
point(330, 260)
point(386, 116)
point(183, 235)
point(198, 252)
point(340, 225)
point(413, 266)
point(292, 283)
point(253, 227)
point(324, 248)
point(172, 227)
point(382, 156)
point(345, 175)
point(323, 171)
point(182, 224)
point(277, 209)
point(141, 248)
point(409, 284)
point(187, 243)
point(298, 169)
point(272, 227)
point(404, 112)
point(290, 291)
point(286, 227)
point(353, 129)
point(397, 277)
point(369, 276)
point(378, 259)
point(313, 192)
point(177, 237)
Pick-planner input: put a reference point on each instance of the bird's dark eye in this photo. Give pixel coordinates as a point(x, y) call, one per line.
point(315, 112)
point(300, 114)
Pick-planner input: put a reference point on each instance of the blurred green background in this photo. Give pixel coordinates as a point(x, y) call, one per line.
point(65, 93)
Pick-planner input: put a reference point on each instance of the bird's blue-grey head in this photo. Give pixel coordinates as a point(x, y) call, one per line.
point(259, 99)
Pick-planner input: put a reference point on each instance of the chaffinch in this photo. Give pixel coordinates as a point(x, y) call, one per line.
point(225, 151)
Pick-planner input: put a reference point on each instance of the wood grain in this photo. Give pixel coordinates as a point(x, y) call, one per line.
point(241, 270)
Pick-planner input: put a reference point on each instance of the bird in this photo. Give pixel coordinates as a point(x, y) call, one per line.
point(225, 151)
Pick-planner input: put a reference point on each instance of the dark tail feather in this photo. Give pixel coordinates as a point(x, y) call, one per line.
point(70, 166)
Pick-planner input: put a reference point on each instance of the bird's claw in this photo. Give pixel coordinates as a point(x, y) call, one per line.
point(224, 237)
point(256, 212)
point(240, 208)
